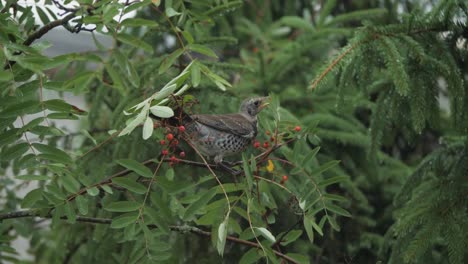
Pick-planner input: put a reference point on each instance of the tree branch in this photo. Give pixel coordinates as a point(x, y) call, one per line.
point(107, 221)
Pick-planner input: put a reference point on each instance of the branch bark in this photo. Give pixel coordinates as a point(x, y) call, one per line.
point(107, 221)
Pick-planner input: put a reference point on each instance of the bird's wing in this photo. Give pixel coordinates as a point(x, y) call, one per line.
point(231, 123)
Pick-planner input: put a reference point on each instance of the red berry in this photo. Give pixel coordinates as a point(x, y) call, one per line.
point(285, 178)
point(297, 128)
point(173, 158)
point(181, 129)
point(256, 144)
point(175, 142)
point(170, 136)
point(255, 49)
point(164, 152)
point(182, 154)
point(265, 144)
point(162, 142)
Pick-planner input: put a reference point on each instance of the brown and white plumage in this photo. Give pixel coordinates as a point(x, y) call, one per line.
point(226, 134)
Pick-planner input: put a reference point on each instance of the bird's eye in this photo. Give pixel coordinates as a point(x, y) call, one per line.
point(256, 103)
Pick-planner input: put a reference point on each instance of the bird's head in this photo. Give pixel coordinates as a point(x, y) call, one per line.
point(253, 106)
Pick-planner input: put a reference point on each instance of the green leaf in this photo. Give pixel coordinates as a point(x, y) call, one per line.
point(134, 41)
point(338, 210)
point(308, 228)
point(203, 50)
point(196, 75)
point(247, 171)
point(107, 189)
point(222, 234)
point(157, 219)
point(136, 166)
point(252, 256)
point(188, 36)
point(31, 177)
point(162, 111)
point(130, 185)
point(148, 128)
point(169, 60)
point(124, 220)
point(6, 76)
point(266, 234)
point(14, 151)
point(70, 183)
point(31, 198)
point(70, 213)
point(58, 153)
point(123, 206)
point(198, 204)
point(138, 22)
point(332, 180)
point(325, 166)
point(93, 191)
point(170, 12)
point(82, 204)
point(310, 156)
point(292, 236)
point(19, 109)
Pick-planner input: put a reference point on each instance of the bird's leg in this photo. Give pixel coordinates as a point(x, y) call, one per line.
point(227, 166)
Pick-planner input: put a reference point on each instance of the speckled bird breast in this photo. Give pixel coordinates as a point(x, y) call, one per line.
point(212, 142)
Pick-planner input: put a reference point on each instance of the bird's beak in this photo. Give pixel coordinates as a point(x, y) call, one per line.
point(265, 102)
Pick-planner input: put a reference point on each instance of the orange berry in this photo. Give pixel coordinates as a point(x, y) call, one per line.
point(285, 178)
point(297, 128)
point(170, 136)
point(268, 132)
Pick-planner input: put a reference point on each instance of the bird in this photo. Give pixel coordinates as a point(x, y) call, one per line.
point(220, 135)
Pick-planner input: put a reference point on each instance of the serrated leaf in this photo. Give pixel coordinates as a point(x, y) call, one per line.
point(169, 60)
point(123, 206)
point(130, 185)
point(162, 111)
point(203, 50)
point(266, 234)
point(124, 220)
point(148, 128)
point(202, 201)
point(136, 166)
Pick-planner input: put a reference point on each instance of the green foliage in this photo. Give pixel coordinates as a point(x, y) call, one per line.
point(376, 170)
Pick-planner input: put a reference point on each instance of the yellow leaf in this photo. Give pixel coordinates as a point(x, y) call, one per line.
point(270, 166)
